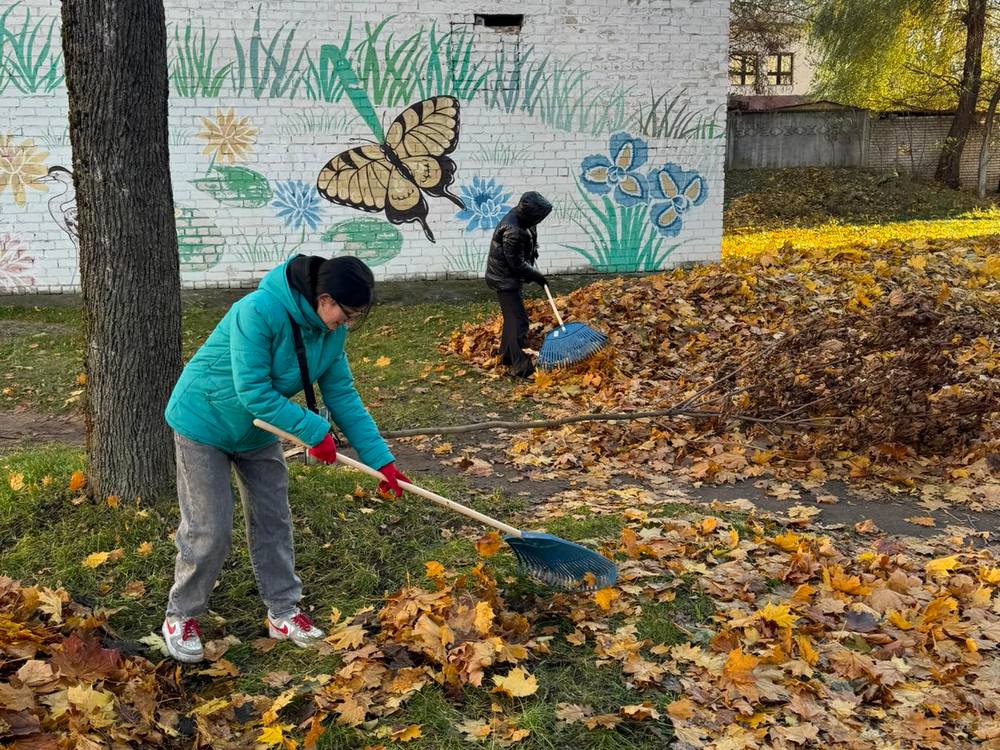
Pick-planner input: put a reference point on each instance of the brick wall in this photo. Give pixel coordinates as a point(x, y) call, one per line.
point(541, 108)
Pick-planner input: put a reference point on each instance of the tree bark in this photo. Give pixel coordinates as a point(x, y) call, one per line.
point(984, 147)
point(116, 76)
point(949, 165)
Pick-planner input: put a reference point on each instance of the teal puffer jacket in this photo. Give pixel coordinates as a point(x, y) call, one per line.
point(248, 369)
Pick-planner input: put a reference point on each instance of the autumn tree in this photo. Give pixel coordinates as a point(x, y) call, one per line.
point(909, 54)
point(116, 76)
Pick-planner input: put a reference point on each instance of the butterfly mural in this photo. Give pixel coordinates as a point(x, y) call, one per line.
point(393, 176)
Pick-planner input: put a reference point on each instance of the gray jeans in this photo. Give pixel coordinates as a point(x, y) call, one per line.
point(205, 533)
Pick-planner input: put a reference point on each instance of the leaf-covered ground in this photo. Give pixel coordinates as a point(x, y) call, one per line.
point(811, 641)
point(876, 364)
point(852, 357)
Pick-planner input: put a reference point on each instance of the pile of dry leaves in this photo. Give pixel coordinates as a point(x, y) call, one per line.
point(60, 688)
point(864, 363)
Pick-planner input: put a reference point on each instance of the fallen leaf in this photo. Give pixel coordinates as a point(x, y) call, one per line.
point(77, 481)
point(407, 734)
point(517, 683)
point(95, 559)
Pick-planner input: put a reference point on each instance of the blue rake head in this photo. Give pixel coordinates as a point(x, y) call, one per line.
point(569, 344)
point(560, 563)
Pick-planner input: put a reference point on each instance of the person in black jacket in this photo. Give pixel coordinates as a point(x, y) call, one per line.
point(513, 252)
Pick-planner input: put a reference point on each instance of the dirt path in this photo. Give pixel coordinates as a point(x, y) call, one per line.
point(19, 429)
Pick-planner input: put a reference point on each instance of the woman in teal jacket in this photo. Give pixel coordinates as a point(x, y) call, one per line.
point(248, 368)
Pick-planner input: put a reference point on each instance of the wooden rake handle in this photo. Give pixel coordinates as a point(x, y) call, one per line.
point(554, 308)
point(444, 502)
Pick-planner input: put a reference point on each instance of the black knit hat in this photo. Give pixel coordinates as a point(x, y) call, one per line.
point(348, 280)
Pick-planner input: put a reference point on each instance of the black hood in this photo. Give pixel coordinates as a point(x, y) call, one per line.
point(301, 272)
point(532, 208)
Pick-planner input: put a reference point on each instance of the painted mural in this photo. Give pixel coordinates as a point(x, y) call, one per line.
point(410, 160)
point(627, 206)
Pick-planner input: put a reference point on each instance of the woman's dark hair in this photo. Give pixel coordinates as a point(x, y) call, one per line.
point(350, 283)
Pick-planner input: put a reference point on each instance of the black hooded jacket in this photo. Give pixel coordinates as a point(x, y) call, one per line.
point(514, 247)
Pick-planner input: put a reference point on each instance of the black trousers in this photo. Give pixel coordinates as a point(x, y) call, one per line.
point(515, 333)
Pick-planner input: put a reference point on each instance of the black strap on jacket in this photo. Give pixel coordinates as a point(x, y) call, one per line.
point(300, 352)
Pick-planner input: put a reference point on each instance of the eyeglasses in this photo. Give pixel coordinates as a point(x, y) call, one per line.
point(353, 315)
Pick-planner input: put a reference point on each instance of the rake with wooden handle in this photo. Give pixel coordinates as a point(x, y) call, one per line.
point(548, 558)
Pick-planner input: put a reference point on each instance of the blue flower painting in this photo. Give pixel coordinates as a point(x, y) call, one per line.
point(619, 173)
point(672, 191)
point(485, 204)
point(297, 203)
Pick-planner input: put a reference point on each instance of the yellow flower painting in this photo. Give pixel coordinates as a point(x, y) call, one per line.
point(21, 164)
point(227, 138)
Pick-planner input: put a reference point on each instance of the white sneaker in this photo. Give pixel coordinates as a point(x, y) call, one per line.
point(183, 638)
point(296, 627)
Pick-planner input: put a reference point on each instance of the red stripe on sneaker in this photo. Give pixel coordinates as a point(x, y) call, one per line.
point(171, 628)
point(283, 629)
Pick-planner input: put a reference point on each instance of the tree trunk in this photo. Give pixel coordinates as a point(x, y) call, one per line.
point(116, 76)
point(950, 162)
point(984, 148)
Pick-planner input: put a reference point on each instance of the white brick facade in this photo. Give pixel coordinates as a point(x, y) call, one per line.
point(575, 76)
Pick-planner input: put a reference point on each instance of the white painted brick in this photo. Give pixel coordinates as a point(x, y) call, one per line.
point(649, 46)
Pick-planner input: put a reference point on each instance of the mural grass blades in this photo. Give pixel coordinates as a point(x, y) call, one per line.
point(460, 76)
point(395, 72)
point(29, 59)
point(469, 259)
point(557, 93)
point(672, 117)
point(622, 240)
point(192, 70)
point(266, 68)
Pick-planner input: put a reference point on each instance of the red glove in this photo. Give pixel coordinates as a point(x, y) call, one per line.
point(325, 451)
point(392, 478)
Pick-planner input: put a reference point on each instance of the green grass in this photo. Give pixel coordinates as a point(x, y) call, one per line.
point(349, 552)
point(41, 355)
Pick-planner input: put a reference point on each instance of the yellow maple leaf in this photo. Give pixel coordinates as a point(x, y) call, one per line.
point(144, 549)
point(681, 709)
point(407, 734)
point(780, 614)
point(605, 597)
point(809, 655)
point(383, 361)
point(16, 482)
point(113, 501)
point(898, 620)
point(274, 735)
point(96, 704)
point(488, 544)
point(918, 262)
point(95, 559)
point(434, 569)
point(484, 617)
point(346, 636)
point(77, 481)
point(271, 715)
point(989, 575)
point(789, 541)
point(739, 666)
point(517, 683)
point(942, 565)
